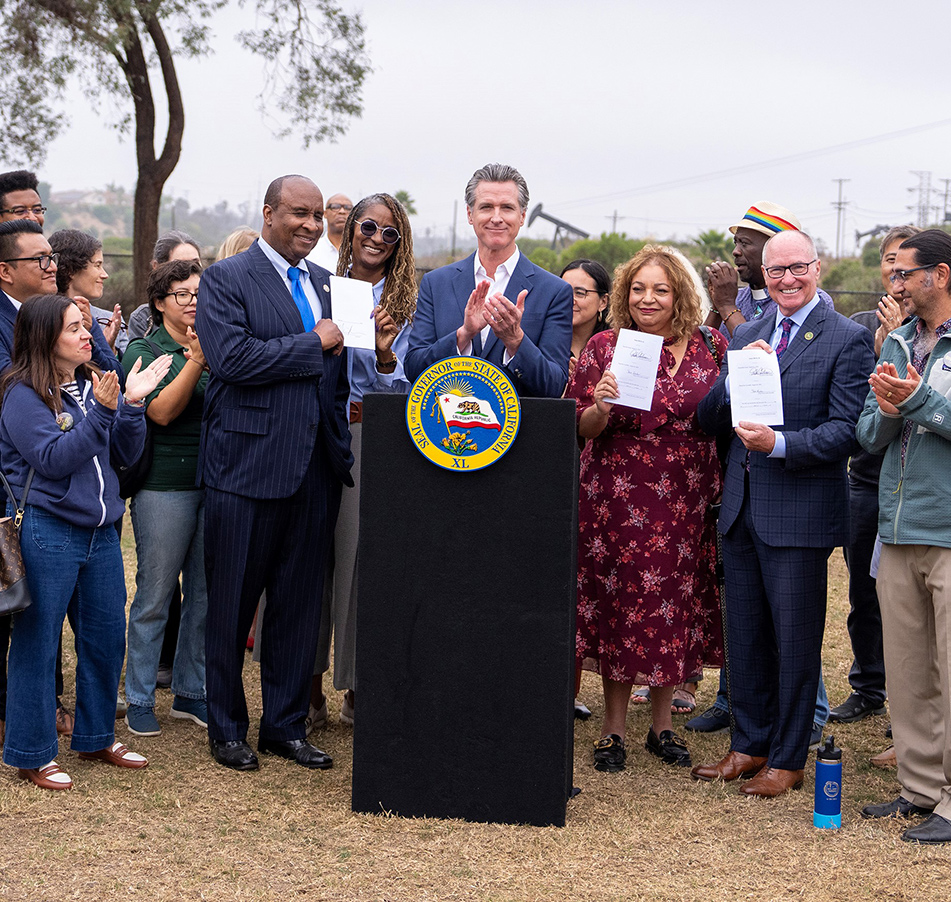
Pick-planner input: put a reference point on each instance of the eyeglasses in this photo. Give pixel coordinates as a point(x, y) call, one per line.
point(581, 293)
point(389, 235)
point(797, 269)
point(901, 275)
point(183, 297)
point(24, 211)
point(44, 260)
point(107, 321)
point(335, 206)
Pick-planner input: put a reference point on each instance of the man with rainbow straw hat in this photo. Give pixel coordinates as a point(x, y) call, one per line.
point(734, 305)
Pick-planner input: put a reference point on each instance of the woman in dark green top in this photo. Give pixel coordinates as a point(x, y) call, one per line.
point(168, 512)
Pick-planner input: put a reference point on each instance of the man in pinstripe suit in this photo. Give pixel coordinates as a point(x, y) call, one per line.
point(785, 507)
point(275, 451)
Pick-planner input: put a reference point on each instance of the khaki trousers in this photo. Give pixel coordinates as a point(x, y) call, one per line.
point(914, 588)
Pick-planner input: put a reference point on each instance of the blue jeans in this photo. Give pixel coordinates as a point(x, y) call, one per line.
point(80, 569)
point(169, 539)
point(820, 718)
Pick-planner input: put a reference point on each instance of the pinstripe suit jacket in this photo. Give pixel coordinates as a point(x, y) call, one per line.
point(801, 501)
point(273, 391)
point(539, 367)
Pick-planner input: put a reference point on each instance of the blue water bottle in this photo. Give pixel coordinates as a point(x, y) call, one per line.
point(828, 811)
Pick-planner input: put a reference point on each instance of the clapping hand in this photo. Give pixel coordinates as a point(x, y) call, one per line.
point(474, 317)
point(890, 389)
point(105, 389)
point(194, 351)
point(505, 319)
point(142, 382)
point(111, 331)
point(722, 284)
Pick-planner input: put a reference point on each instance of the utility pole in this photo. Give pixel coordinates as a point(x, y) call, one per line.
point(946, 214)
point(840, 206)
point(455, 211)
point(614, 218)
point(922, 208)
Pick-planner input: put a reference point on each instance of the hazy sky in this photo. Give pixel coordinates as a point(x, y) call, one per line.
point(676, 115)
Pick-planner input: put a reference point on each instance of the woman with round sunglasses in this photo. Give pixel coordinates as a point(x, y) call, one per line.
point(62, 423)
point(377, 247)
point(168, 511)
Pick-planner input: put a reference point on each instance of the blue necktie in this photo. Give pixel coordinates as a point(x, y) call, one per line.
point(297, 292)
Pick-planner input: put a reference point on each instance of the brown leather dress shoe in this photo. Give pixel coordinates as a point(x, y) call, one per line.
point(734, 765)
point(885, 759)
point(772, 782)
point(117, 755)
point(49, 777)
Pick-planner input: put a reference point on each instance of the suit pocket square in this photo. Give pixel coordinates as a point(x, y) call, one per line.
point(252, 421)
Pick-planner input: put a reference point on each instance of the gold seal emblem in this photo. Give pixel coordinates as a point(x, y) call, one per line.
point(463, 413)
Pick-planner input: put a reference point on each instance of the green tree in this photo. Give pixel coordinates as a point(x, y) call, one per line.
point(610, 250)
point(125, 50)
point(713, 245)
point(544, 257)
point(404, 198)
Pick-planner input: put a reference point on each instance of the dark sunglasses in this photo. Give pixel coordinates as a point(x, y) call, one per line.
point(389, 235)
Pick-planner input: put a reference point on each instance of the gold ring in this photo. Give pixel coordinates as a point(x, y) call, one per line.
point(888, 395)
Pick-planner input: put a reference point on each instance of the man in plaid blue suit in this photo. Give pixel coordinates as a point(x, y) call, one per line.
point(785, 507)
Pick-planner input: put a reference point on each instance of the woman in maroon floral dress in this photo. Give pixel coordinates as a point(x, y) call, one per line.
point(647, 595)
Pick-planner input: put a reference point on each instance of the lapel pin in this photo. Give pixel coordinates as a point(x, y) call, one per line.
point(810, 336)
point(327, 288)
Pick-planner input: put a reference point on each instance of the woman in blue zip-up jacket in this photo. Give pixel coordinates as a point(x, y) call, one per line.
point(69, 423)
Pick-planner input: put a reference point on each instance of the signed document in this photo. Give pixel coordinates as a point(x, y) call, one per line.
point(756, 394)
point(635, 367)
point(353, 311)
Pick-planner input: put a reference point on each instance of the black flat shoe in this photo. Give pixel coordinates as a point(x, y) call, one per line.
point(855, 708)
point(669, 747)
point(934, 831)
point(582, 712)
point(609, 754)
point(298, 750)
point(899, 807)
point(235, 753)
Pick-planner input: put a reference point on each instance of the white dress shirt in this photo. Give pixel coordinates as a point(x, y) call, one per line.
point(497, 285)
point(325, 254)
point(282, 266)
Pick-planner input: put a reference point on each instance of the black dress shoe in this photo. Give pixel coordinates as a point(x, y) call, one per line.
point(582, 712)
point(900, 807)
point(669, 747)
point(299, 750)
point(934, 831)
point(856, 707)
point(234, 753)
point(609, 754)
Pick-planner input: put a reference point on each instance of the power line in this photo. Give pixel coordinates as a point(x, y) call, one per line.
point(750, 167)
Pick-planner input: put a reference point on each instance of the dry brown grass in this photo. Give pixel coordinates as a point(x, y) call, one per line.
point(188, 829)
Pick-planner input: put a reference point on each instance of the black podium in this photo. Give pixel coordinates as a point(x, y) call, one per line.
point(465, 624)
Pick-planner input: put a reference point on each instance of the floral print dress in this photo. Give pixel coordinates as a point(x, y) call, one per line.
point(648, 610)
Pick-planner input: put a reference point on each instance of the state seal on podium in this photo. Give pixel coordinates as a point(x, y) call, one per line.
point(463, 413)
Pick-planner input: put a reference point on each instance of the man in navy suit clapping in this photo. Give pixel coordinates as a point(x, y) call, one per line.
point(496, 304)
